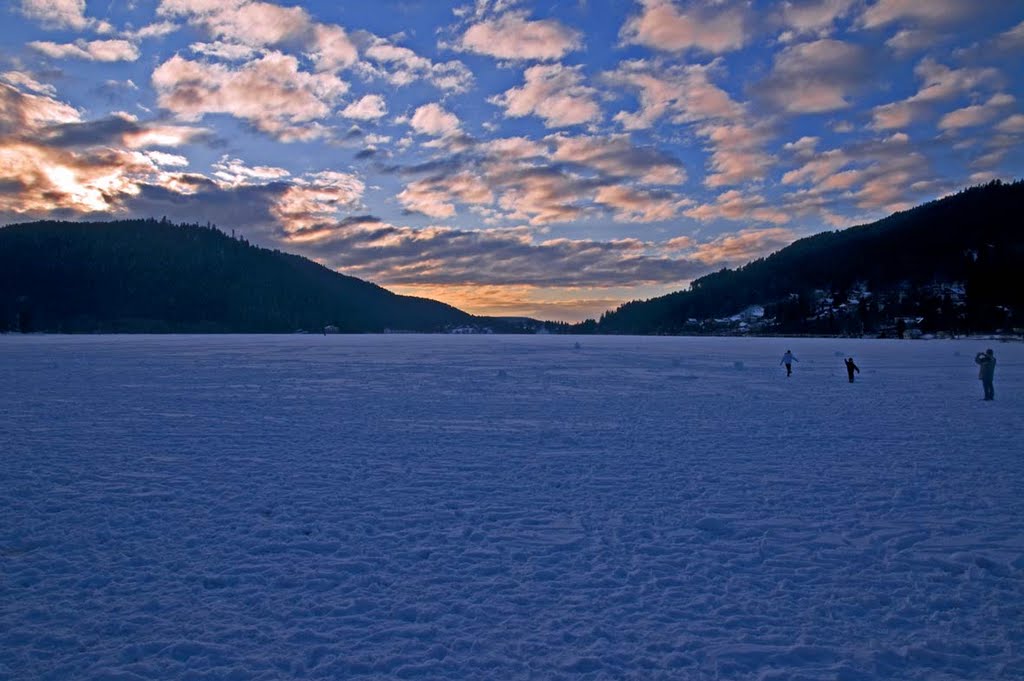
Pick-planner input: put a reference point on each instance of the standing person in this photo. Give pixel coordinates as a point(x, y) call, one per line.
point(850, 368)
point(986, 362)
point(788, 360)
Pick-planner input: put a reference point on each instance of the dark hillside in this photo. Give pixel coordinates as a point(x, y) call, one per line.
point(956, 262)
point(153, 276)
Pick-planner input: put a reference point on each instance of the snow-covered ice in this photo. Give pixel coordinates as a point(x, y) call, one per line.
point(508, 507)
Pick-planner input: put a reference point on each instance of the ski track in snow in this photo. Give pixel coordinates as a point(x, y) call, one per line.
point(504, 507)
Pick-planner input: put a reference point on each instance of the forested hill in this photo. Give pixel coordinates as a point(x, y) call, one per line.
point(153, 276)
point(955, 264)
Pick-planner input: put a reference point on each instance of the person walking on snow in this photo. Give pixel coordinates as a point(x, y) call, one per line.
point(850, 368)
point(788, 360)
point(986, 362)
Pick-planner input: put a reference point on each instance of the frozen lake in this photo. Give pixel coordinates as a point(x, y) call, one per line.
point(508, 507)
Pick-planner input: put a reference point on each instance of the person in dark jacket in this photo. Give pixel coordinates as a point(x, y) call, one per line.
point(986, 362)
point(850, 368)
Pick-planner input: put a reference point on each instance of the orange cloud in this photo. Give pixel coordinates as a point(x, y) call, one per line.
point(94, 50)
point(315, 199)
point(734, 205)
point(554, 93)
point(570, 304)
point(743, 246)
point(663, 26)
point(271, 92)
point(685, 92)
point(434, 197)
point(633, 205)
point(513, 37)
point(402, 66)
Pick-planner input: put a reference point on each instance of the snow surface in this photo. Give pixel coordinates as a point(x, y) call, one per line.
point(508, 507)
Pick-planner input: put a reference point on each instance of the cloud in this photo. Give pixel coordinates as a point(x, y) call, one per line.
point(162, 135)
point(1013, 125)
point(270, 92)
point(259, 25)
point(817, 168)
point(542, 195)
point(933, 12)
point(513, 37)
point(154, 30)
point(616, 157)
point(803, 147)
point(57, 14)
point(512, 272)
point(91, 50)
point(938, 83)
point(191, 197)
point(734, 205)
point(40, 178)
point(687, 94)
point(814, 16)
point(555, 93)
point(316, 198)
point(737, 153)
point(684, 92)
point(395, 256)
point(743, 246)
point(891, 116)
point(840, 180)
point(1012, 39)
point(234, 172)
point(27, 114)
point(120, 129)
point(48, 179)
point(431, 119)
point(662, 26)
point(435, 196)
point(912, 40)
point(161, 158)
point(401, 66)
point(54, 164)
point(888, 183)
point(557, 179)
point(225, 51)
point(24, 81)
point(331, 48)
point(976, 114)
point(367, 108)
point(877, 175)
point(515, 148)
point(816, 77)
point(638, 205)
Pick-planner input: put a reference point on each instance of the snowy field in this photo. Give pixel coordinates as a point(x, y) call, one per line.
point(502, 507)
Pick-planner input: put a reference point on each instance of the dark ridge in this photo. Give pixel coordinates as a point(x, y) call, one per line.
point(953, 265)
point(156, 277)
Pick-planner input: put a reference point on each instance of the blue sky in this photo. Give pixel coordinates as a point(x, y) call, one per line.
point(550, 159)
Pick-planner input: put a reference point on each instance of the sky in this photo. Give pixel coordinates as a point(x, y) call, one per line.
point(513, 158)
